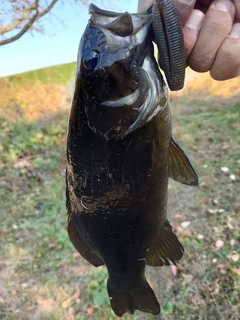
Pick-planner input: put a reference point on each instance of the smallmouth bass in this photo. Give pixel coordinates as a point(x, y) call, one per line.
point(120, 155)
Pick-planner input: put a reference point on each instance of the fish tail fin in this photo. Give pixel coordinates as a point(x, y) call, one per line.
point(140, 298)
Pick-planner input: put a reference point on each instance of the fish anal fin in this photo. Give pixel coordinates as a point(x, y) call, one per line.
point(141, 297)
point(81, 246)
point(180, 168)
point(166, 249)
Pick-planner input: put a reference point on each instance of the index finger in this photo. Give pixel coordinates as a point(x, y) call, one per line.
point(184, 8)
point(237, 7)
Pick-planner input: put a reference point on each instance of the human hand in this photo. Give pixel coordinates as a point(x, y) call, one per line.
point(211, 32)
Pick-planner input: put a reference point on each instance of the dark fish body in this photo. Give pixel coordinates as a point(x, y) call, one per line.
point(120, 155)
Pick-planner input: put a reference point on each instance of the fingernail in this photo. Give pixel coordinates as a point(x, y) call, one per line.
point(195, 20)
point(235, 33)
point(223, 5)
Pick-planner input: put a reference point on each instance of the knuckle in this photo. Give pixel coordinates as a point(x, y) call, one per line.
point(227, 62)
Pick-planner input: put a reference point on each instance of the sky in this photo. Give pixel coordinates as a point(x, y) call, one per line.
point(59, 44)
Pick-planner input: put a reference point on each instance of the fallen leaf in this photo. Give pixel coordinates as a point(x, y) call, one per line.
point(235, 257)
point(226, 146)
point(222, 265)
point(212, 210)
point(14, 292)
point(213, 292)
point(197, 298)
point(230, 226)
point(215, 289)
point(22, 163)
point(89, 310)
point(185, 224)
point(236, 271)
point(187, 278)
point(65, 304)
point(178, 216)
point(219, 244)
point(46, 304)
point(180, 267)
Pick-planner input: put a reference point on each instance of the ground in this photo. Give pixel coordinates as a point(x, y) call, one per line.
point(41, 274)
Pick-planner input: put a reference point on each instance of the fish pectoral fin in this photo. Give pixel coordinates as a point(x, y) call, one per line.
point(180, 168)
point(138, 160)
point(82, 247)
point(167, 248)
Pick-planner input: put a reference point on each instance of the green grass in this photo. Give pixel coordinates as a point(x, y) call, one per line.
point(56, 75)
point(39, 268)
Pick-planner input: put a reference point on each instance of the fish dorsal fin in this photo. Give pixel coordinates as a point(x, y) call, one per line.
point(82, 246)
point(167, 248)
point(180, 168)
point(122, 26)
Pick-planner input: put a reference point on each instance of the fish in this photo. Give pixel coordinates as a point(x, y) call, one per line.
point(120, 155)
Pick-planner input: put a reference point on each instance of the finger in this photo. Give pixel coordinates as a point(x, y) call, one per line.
point(227, 63)
point(203, 5)
point(191, 30)
point(184, 8)
point(237, 6)
point(216, 26)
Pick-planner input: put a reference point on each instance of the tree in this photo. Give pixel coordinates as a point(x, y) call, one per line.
point(19, 16)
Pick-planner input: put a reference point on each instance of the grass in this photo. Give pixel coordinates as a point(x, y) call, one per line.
point(41, 274)
point(37, 93)
point(56, 75)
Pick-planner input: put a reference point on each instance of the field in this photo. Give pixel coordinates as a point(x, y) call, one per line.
point(42, 277)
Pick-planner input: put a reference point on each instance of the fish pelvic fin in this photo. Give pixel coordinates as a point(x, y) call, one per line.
point(81, 246)
point(167, 248)
point(140, 298)
point(180, 168)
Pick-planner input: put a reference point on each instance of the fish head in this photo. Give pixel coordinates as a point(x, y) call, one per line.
point(115, 60)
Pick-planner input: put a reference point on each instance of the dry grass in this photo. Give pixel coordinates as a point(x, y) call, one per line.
point(43, 277)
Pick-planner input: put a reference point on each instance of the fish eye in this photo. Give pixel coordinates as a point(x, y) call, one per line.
point(90, 60)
